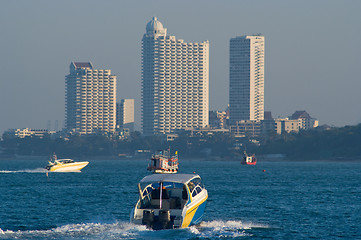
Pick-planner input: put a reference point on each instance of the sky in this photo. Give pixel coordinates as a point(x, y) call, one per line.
point(312, 52)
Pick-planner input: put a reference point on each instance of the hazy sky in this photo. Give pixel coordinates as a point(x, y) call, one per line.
point(312, 52)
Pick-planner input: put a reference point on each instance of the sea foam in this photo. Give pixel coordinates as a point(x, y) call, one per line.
point(36, 170)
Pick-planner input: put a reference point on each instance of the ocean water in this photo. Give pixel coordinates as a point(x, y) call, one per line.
point(272, 200)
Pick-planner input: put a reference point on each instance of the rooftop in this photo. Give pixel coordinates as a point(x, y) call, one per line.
point(83, 65)
point(179, 178)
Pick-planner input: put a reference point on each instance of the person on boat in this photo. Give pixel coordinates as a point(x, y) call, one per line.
point(165, 193)
point(184, 193)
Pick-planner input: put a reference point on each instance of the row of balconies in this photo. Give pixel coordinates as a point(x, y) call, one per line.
point(178, 88)
point(95, 121)
point(178, 62)
point(179, 116)
point(96, 89)
point(104, 90)
point(97, 101)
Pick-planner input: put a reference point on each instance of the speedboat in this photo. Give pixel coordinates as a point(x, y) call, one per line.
point(168, 201)
point(163, 162)
point(65, 165)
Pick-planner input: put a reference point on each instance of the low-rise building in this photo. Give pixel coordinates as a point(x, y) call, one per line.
point(305, 121)
point(246, 128)
point(27, 132)
point(217, 119)
point(286, 125)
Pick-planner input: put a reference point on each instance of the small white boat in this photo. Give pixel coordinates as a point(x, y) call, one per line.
point(65, 165)
point(168, 201)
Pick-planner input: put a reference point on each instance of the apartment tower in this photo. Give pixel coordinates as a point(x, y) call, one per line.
point(246, 78)
point(175, 82)
point(125, 114)
point(90, 99)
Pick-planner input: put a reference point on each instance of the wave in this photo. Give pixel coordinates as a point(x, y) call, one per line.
point(233, 224)
point(126, 230)
point(36, 170)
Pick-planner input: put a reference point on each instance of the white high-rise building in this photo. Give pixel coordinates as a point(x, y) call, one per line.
point(246, 78)
point(175, 82)
point(90, 99)
point(125, 114)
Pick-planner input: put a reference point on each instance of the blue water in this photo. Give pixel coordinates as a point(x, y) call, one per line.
point(289, 200)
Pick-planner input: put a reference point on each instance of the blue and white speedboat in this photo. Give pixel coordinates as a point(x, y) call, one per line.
point(169, 201)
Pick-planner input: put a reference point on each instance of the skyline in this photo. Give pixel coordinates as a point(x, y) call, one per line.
point(311, 55)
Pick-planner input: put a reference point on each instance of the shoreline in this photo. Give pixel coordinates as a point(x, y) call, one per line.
point(210, 159)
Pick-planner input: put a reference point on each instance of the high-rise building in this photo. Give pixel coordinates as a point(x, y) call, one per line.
point(125, 114)
point(246, 78)
point(175, 82)
point(90, 99)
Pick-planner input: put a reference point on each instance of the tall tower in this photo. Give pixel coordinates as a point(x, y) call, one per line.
point(90, 99)
point(125, 114)
point(246, 78)
point(175, 82)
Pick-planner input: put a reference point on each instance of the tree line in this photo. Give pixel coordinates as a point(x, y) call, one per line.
point(315, 144)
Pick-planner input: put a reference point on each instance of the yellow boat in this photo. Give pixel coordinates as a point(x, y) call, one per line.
point(65, 165)
point(168, 201)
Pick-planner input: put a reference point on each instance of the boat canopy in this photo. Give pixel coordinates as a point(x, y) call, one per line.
point(178, 178)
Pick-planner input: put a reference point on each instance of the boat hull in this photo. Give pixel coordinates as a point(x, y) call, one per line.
point(194, 214)
point(68, 167)
point(248, 163)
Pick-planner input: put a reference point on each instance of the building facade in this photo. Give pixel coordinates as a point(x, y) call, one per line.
point(90, 99)
point(246, 78)
point(246, 128)
point(175, 82)
point(286, 125)
point(305, 121)
point(125, 114)
point(217, 119)
point(300, 120)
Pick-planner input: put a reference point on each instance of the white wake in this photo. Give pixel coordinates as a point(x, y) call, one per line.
point(126, 230)
point(36, 170)
point(122, 230)
point(225, 229)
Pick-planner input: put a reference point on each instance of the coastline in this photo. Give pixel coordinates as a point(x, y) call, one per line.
point(260, 158)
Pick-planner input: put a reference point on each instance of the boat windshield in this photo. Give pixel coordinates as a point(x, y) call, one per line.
point(66, 161)
point(148, 188)
point(195, 186)
point(172, 193)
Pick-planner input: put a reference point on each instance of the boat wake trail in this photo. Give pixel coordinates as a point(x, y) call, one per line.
point(37, 170)
point(119, 230)
point(126, 230)
point(225, 229)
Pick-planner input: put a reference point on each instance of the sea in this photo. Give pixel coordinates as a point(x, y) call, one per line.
point(271, 200)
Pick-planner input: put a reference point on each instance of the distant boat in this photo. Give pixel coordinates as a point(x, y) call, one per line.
point(64, 165)
point(163, 162)
point(249, 160)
